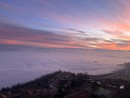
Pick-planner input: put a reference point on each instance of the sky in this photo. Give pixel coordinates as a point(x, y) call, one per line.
point(85, 24)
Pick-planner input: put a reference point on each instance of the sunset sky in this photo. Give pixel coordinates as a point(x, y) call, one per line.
point(85, 24)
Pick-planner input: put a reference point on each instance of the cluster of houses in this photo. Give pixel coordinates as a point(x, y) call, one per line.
point(29, 93)
point(112, 84)
point(49, 92)
point(59, 86)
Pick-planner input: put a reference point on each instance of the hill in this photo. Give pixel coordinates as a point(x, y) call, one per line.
point(67, 85)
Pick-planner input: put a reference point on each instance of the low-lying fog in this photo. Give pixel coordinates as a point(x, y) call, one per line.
point(18, 64)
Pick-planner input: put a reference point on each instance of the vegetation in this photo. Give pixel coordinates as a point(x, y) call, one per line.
point(67, 85)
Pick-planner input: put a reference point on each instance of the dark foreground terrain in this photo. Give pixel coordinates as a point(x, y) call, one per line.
point(69, 85)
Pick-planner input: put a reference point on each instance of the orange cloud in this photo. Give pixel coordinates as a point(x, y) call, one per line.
point(35, 44)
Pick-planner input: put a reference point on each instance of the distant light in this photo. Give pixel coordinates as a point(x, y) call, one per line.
point(122, 87)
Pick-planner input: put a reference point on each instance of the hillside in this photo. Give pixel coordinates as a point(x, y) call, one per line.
point(67, 85)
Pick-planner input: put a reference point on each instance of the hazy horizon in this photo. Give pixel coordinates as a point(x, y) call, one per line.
point(20, 64)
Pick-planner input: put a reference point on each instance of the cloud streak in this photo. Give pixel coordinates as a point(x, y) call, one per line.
point(77, 24)
point(14, 35)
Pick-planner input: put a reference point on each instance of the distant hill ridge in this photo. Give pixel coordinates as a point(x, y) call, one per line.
point(120, 74)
